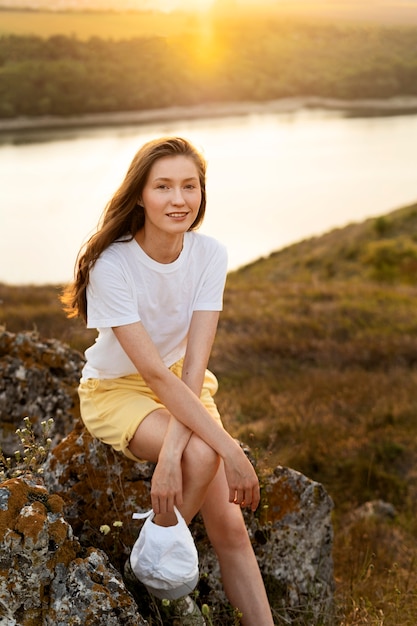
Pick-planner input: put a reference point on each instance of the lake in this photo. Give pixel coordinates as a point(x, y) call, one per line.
point(273, 179)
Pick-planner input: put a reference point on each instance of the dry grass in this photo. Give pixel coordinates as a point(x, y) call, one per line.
point(39, 309)
point(376, 573)
point(317, 367)
point(317, 362)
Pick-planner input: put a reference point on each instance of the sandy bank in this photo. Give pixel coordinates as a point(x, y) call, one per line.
point(365, 107)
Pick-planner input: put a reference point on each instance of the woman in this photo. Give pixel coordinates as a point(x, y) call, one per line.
point(153, 287)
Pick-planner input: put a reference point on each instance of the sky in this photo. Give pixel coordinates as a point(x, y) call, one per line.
point(164, 5)
point(201, 5)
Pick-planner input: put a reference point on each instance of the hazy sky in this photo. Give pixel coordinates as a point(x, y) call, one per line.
point(165, 5)
point(384, 11)
point(168, 5)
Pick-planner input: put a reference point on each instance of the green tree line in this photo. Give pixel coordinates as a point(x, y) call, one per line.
point(238, 61)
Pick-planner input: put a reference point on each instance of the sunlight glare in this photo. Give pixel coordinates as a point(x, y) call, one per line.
point(199, 6)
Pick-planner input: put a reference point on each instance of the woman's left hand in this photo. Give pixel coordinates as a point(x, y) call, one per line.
point(166, 489)
point(242, 479)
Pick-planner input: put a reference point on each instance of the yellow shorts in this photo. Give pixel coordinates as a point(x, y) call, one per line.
point(112, 409)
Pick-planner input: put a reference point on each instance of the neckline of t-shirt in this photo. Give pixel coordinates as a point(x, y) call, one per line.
point(161, 267)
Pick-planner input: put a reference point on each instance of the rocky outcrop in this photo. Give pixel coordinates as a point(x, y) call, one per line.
point(294, 539)
point(291, 535)
point(64, 542)
point(99, 487)
point(38, 378)
point(46, 577)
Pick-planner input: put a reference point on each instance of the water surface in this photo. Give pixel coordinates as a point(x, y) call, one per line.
point(273, 179)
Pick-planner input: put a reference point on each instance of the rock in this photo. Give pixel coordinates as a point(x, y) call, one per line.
point(99, 487)
point(293, 540)
point(46, 578)
point(38, 378)
point(291, 535)
point(374, 509)
point(96, 490)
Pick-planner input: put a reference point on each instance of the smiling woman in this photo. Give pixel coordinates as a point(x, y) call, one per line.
point(171, 201)
point(153, 287)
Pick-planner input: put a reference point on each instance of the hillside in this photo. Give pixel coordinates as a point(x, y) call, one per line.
point(316, 355)
point(330, 322)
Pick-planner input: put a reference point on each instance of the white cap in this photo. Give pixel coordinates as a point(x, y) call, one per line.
point(164, 558)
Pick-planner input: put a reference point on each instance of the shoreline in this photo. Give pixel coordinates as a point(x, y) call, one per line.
point(399, 105)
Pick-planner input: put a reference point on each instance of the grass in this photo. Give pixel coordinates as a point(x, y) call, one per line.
point(38, 308)
point(316, 355)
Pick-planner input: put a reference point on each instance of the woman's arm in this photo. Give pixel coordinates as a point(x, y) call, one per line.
point(167, 478)
point(200, 340)
point(183, 403)
point(199, 344)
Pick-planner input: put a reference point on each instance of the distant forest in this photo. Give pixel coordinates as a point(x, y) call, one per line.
point(238, 61)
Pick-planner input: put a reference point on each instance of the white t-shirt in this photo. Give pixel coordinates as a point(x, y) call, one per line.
point(127, 286)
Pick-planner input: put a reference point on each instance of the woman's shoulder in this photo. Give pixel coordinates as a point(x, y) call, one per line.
point(114, 258)
point(205, 243)
point(206, 253)
point(117, 250)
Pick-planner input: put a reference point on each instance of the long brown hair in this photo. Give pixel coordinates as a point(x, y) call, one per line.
point(123, 216)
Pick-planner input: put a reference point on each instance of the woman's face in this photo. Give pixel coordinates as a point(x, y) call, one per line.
point(171, 196)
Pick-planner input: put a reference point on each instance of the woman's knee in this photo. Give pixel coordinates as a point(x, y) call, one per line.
point(229, 533)
point(200, 458)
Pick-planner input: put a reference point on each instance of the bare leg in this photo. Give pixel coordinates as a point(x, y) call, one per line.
point(199, 463)
point(205, 488)
point(242, 579)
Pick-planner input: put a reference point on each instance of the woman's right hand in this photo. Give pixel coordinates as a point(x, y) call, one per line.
point(242, 479)
point(166, 488)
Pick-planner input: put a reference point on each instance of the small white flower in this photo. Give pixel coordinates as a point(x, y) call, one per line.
point(105, 529)
point(20, 373)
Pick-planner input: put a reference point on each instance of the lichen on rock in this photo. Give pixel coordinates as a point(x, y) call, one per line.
point(58, 567)
point(46, 577)
point(38, 378)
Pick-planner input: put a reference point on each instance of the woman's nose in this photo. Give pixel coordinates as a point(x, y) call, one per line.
point(178, 197)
